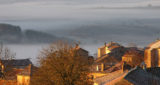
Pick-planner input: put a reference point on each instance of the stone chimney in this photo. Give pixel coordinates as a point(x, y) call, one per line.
point(105, 44)
point(77, 46)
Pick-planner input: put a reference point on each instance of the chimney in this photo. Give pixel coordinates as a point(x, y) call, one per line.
point(105, 44)
point(77, 46)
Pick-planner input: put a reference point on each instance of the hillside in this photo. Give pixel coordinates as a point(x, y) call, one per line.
point(10, 33)
point(14, 34)
point(124, 31)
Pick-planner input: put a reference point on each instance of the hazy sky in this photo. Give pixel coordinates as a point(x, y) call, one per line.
point(45, 13)
point(52, 8)
point(75, 1)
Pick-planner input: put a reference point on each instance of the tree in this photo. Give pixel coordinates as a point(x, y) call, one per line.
point(5, 54)
point(61, 64)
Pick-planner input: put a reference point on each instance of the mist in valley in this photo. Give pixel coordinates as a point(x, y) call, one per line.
point(90, 23)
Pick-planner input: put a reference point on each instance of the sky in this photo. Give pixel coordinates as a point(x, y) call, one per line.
point(34, 14)
point(74, 1)
point(22, 9)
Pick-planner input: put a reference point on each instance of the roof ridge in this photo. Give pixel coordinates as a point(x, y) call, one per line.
point(132, 70)
point(14, 59)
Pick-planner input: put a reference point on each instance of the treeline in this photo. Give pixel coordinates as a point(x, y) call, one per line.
point(13, 34)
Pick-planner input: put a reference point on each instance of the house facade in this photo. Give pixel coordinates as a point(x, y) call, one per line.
point(152, 54)
point(133, 57)
point(133, 65)
point(16, 72)
point(108, 55)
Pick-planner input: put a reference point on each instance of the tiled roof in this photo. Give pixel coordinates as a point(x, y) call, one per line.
point(116, 67)
point(116, 53)
point(153, 43)
point(17, 62)
point(155, 71)
point(108, 78)
point(138, 76)
point(102, 58)
point(114, 47)
point(18, 66)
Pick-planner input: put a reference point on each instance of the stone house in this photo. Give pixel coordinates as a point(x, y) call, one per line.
point(19, 71)
point(133, 57)
point(109, 55)
point(152, 54)
point(82, 52)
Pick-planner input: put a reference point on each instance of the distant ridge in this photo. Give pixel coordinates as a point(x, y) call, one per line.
point(13, 34)
point(138, 7)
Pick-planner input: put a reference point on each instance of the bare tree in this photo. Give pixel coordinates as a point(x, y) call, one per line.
point(61, 64)
point(5, 53)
